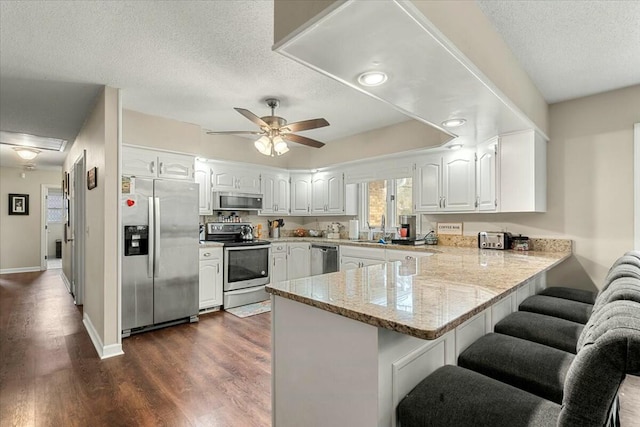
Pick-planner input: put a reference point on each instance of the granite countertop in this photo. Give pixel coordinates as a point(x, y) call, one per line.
point(426, 297)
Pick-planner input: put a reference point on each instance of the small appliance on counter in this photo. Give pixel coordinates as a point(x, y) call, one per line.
point(520, 243)
point(494, 240)
point(407, 231)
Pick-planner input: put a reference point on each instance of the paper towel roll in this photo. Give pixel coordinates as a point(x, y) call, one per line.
point(354, 229)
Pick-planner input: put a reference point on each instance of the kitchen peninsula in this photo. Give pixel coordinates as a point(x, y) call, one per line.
point(348, 346)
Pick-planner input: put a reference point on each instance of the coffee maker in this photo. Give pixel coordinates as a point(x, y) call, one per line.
point(407, 231)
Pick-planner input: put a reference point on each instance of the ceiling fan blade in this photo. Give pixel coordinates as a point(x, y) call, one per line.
point(255, 119)
point(236, 132)
point(302, 140)
point(306, 125)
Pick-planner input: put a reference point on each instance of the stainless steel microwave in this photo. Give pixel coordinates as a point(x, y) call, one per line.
point(224, 201)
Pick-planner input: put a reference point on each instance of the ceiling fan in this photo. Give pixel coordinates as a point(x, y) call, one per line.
point(275, 131)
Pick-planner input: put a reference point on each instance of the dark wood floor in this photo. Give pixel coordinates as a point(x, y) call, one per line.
point(213, 373)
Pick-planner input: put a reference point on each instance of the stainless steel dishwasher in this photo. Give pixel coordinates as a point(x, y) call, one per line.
point(324, 258)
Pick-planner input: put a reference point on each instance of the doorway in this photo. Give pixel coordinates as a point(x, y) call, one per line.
point(52, 220)
point(77, 196)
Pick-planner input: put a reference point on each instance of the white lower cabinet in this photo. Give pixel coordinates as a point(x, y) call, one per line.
point(298, 260)
point(210, 289)
point(355, 257)
point(278, 262)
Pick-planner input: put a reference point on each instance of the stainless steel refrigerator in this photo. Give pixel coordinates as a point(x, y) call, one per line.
point(160, 256)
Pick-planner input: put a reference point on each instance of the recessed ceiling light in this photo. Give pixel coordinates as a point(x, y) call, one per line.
point(372, 78)
point(453, 123)
point(455, 146)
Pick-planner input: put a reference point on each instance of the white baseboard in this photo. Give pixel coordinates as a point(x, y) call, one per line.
point(19, 270)
point(66, 281)
point(103, 351)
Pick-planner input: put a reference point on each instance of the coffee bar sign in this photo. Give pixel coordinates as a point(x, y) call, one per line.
point(450, 228)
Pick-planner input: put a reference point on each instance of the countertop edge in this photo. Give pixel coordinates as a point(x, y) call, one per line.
point(427, 334)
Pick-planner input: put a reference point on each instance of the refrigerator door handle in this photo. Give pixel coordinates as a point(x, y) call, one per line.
point(151, 238)
point(156, 227)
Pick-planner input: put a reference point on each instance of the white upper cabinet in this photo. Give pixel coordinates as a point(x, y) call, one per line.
point(275, 191)
point(300, 193)
point(141, 162)
point(446, 182)
point(427, 187)
point(459, 181)
point(523, 172)
point(486, 176)
point(203, 174)
point(235, 179)
point(327, 193)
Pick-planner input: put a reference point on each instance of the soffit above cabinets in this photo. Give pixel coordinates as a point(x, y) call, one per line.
point(429, 79)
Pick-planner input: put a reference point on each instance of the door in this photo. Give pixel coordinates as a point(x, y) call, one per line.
point(279, 267)
point(335, 194)
point(248, 181)
point(78, 234)
point(299, 260)
point(175, 166)
point(176, 250)
point(203, 178)
point(139, 162)
point(210, 289)
point(268, 183)
point(281, 194)
point(137, 270)
point(319, 193)
point(349, 263)
point(459, 181)
point(427, 185)
point(300, 194)
point(486, 176)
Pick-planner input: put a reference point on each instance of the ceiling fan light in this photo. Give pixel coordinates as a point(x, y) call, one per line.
point(26, 153)
point(372, 78)
point(263, 145)
point(283, 148)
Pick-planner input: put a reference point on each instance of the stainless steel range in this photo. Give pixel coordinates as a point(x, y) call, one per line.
point(246, 263)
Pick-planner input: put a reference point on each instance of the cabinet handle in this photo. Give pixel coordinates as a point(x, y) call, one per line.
point(218, 268)
point(408, 257)
point(161, 169)
point(206, 254)
point(308, 208)
point(152, 167)
point(274, 262)
point(477, 201)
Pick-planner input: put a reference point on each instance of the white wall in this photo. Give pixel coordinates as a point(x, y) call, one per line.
point(99, 137)
point(20, 234)
point(589, 186)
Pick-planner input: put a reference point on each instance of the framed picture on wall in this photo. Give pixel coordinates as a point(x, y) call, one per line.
point(18, 204)
point(92, 178)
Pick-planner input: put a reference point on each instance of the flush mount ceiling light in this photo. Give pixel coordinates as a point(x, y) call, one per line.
point(26, 153)
point(455, 146)
point(453, 123)
point(372, 78)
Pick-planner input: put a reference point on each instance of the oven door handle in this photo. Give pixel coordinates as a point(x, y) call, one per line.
point(245, 248)
point(247, 290)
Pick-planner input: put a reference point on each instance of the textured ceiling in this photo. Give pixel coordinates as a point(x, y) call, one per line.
point(190, 61)
point(571, 48)
point(196, 60)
